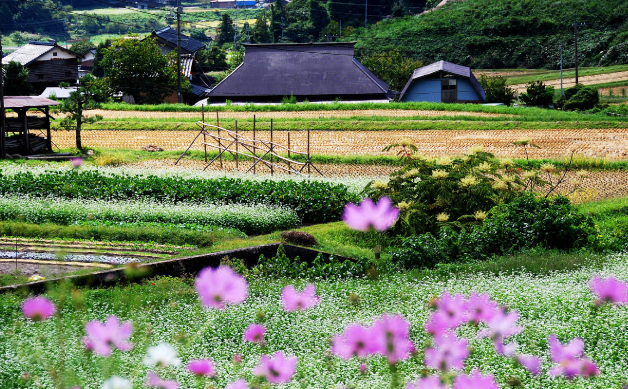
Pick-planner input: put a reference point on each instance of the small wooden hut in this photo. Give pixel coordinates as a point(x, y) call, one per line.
point(18, 139)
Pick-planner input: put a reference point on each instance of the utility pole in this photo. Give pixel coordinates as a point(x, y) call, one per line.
point(179, 10)
point(3, 149)
point(561, 69)
point(575, 31)
point(366, 7)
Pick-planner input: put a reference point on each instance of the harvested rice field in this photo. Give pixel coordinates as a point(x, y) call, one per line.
point(611, 144)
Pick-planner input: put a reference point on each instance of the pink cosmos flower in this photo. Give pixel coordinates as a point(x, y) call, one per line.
point(391, 337)
point(216, 287)
point(568, 358)
point(609, 290)
point(76, 162)
point(355, 341)
point(439, 323)
point(239, 384)
point(530, 363)
point(38, 308)
point(237, 358)
point(448, 352)
point(278, 369)
point(202, 367)
point(502, 325)
point(155, 382)
point(381, 216)
point(363, 368)
point(255, 333)
point(101, 336)
point(293, 300)
point(481, 308)
point(561, 353)
point(432, 382)
point(475, 380)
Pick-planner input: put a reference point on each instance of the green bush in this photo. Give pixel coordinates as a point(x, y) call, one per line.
point(313, 201)
point(527, 222)
point(538, 94)
point(496, 90)
point(580, 98)
point(432, 192)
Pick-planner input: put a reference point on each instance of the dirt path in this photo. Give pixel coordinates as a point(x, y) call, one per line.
point(611, 144)
point(586, 80)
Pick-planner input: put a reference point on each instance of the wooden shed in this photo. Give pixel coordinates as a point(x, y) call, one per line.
point(25, 134)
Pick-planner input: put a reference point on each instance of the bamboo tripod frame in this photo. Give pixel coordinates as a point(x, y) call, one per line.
point(261, 151)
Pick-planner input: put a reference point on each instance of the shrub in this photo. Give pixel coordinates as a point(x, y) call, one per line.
point(538, 94)
point(496, 90)
point(580, 98)
point(432, 192)
point(527, 222)
point(301, 238)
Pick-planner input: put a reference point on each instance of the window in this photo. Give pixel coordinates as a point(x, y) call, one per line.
point(54, 53)
point(449, 91)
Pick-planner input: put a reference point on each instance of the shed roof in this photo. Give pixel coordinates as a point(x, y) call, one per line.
point(311, 69)
point(187, 44)
point(27, 102)
point(60, 93)
point(448, 67)
point(28, 53)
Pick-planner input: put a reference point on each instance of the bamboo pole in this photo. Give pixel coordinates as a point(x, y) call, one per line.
point(237, 141)
point(308, 152)
point(203, 128)
point(289, 167)
point(254, 149)
point(271, 148)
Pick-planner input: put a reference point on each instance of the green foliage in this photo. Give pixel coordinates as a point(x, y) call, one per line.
point(333, 268)
point(16, 80)
point(98, 70)
point(313, 201)
point(579, 97)
point(156, 234)
point(289, 100)
point(213, 59)
point(227, 32)
point(496, 90)
point(434, 192)
point(90, 93)
point(391, 67)
point(81, 47)
point(260, 32)
point(538, 94)
point(525, 223)
point(505, 34)
point(138, 68)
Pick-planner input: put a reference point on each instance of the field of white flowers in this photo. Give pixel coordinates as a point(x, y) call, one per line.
point(168, 310)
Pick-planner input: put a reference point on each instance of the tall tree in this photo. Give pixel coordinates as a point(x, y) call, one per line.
point(16, 80)
point(98, 71)
point(277, 11)
point(392, 67)
point(138, 68)
point(227, 32)
point(213, 59)
point(6, 17)
point(89, 94)
point(260, 32)
point(319, 18)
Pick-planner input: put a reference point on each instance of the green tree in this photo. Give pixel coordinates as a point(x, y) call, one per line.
point(496, 90)
point(538, 94)
point(81, 47)
point(89, 94)
point(276, 13)
point(260, 32)
point(213, 59)
point(6, 17)
point(579, 97)
point(16, 80)
point(227, 32)
point(319, 18)
point(98, 71)
point(138, 68)
point(393, 68)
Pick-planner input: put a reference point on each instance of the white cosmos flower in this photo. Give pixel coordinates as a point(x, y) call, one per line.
point(162, 355)
point(117, 382)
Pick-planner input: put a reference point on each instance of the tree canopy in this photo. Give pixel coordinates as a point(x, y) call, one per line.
point(16, 80)
point(138, 68)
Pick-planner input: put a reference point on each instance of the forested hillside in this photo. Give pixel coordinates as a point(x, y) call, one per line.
point(507, 33)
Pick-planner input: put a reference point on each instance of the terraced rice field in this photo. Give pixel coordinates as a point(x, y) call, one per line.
point(586, 80)
point(611, 144)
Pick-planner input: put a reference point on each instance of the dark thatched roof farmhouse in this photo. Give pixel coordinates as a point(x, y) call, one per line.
point(443, 82)
point(313, 71)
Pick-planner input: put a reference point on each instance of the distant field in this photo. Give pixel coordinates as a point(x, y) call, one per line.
point(522, 76)
point(107, 11)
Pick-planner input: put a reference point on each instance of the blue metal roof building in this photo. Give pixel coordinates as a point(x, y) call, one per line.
point(443, 82)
